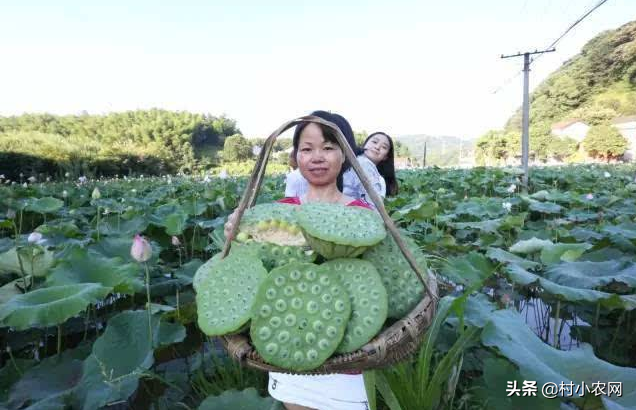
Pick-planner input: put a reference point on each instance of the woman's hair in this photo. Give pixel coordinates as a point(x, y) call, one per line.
point(330, 135)
point(386, 167)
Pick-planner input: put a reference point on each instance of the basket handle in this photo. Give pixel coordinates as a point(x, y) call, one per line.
point(256, 179)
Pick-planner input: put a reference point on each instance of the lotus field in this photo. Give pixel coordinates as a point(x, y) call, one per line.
point(97, 307)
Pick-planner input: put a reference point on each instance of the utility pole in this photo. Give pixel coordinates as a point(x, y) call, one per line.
point(424, 156)
point(525, 123)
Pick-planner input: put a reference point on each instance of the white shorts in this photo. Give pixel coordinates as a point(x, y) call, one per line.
point(322, 392)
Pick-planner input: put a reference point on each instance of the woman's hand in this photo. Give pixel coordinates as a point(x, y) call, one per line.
point(229, 225)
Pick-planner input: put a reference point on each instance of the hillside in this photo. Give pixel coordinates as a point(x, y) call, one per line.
point(440, 150)
point(143, 141)
point(597, 85)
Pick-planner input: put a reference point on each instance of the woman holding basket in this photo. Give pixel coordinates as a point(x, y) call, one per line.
point(322, 163)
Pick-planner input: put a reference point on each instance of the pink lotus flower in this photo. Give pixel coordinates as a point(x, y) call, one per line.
point(589, 197)
point(175, 241)
point(140, 250)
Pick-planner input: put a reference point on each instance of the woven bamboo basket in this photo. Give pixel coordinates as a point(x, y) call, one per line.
point(394, 343)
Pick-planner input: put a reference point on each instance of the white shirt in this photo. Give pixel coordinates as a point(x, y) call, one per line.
point(352, 186)
point(295, 184)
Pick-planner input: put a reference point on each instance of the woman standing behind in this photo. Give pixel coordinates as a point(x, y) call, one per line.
point(377, 161)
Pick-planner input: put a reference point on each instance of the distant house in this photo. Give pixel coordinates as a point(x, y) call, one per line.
point(401, 162)
point(573, 128)
point(627, 127)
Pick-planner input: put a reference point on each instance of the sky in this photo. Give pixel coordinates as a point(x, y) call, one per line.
point(401, 66)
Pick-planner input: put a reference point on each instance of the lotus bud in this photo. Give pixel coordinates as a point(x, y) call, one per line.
point(1, 176)
point(607, 174)
point(68, 174)
point(34, 237)
point(25, 185)
point(65, 194)
point(10, 214)
point(175, 241)
point(140, 250)
point(96, 194)
point(31, 179)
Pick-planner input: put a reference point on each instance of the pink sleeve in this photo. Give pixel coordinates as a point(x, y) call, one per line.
point(360, 203)
point(291, 200)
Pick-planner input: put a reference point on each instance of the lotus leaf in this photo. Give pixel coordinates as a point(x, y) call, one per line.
point(82, 266)
point(502, 256)
point(591, 275)
point(36, 261)
point(50, 382)
point(567, 252)
point(627, 230)
point(570, 294)
point(50, 306)
point(45, 205)
point(546, 207)
point(120, 357)
point(489, 226)
point(468, 269)
point(542, 363)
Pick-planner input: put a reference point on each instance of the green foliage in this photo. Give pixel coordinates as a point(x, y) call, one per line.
point(596, 86)
point(224, 374)
point(604, 141)
point(237, 148)
point(148, 142)
point(498, 147)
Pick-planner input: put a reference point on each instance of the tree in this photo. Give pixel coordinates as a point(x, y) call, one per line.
point(236, 148)
point(604, 141)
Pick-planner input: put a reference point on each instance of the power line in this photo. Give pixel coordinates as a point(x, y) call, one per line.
point(505, 83)
point(554, 43)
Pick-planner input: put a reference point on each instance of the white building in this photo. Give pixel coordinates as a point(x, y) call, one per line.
point(573, 128)
point(627, 127)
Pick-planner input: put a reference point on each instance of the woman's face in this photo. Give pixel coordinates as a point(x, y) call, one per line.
point(319, 160)
point(377, 148)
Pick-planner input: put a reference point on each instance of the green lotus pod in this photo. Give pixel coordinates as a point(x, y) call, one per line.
point(339, 231)
point(225, 295)
point(369, 301)
point(204, 270)
point(299, 316)
point(274, 256)
point(401, 282)
point(273, 223)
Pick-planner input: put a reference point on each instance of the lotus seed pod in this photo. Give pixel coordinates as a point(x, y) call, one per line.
point(206, 269)
point(402, 284)
point(242, 237)
point(299, 316)
point(274, 256)
point(225, 296)
point(339, 231)
point(272, 223)
point(369, 301)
